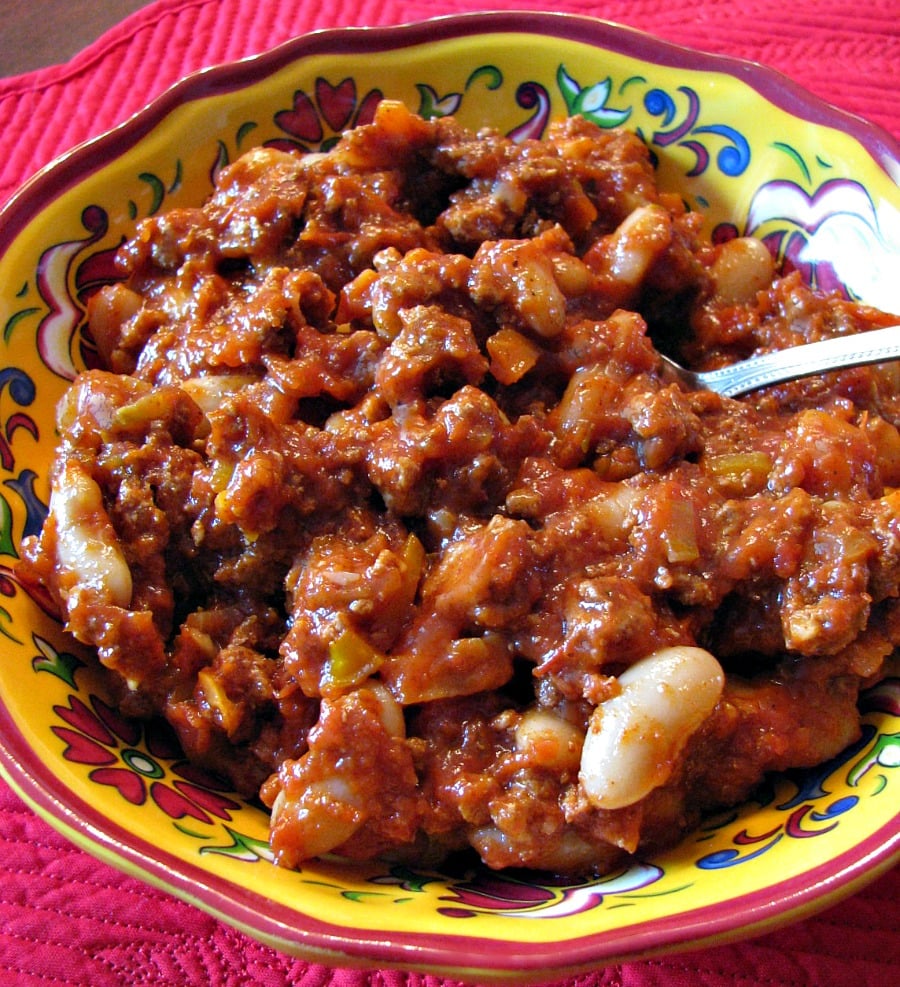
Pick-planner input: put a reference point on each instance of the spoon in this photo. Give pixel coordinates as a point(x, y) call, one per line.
point(855, 350)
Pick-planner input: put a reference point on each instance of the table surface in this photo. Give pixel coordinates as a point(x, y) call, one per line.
point(49, 31)
point(114, 930)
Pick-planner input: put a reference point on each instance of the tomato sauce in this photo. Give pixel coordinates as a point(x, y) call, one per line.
point(386, 504)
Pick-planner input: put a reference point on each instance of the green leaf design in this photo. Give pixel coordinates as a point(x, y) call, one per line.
point(431, 105)
point(62, 664)
point(157, 189)
point(795, 156)
point(490, 73)
point(6, 618)
point(242, 847)
point(176, 181)
point(885, 753)
point(568, 87)
point(222, 156)
point(244, 129)
point(7, 542)
point(15, 319)
point(590, 101)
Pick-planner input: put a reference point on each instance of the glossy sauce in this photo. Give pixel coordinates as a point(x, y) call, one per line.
point(384, 447)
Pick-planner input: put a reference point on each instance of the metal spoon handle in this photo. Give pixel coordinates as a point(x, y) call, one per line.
point(856, 350)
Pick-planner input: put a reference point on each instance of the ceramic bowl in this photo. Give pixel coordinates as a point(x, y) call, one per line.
point(742, 145)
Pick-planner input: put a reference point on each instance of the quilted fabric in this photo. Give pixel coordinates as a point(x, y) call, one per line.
point(846, 52)
point(66, 919)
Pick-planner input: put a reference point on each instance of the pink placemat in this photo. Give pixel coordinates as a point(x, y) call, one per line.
point(66, 919)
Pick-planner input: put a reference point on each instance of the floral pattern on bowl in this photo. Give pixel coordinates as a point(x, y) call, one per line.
point(743, 147)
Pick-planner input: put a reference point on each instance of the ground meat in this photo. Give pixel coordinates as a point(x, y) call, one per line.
point(384, 502)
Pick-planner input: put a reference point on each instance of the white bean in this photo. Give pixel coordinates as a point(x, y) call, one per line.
point(210, 392)
point(327, 795)
point(742, 268)
point(520, 274)
point(614, 512)
point(327, 817)
point(549, 740)
point(638, 241)
point(634, 739)
point(89, 556)
point(537, 297)
point(390, 712)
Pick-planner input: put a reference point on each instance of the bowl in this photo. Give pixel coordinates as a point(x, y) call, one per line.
point(743, 146)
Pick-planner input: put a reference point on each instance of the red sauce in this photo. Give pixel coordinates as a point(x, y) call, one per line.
point(383, 490)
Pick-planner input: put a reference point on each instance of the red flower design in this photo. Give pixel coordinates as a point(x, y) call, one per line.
point(97, 735)
point(336, 106)
point(130, 785)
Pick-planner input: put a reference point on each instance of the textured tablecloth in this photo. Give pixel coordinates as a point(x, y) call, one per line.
point(66, 919)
